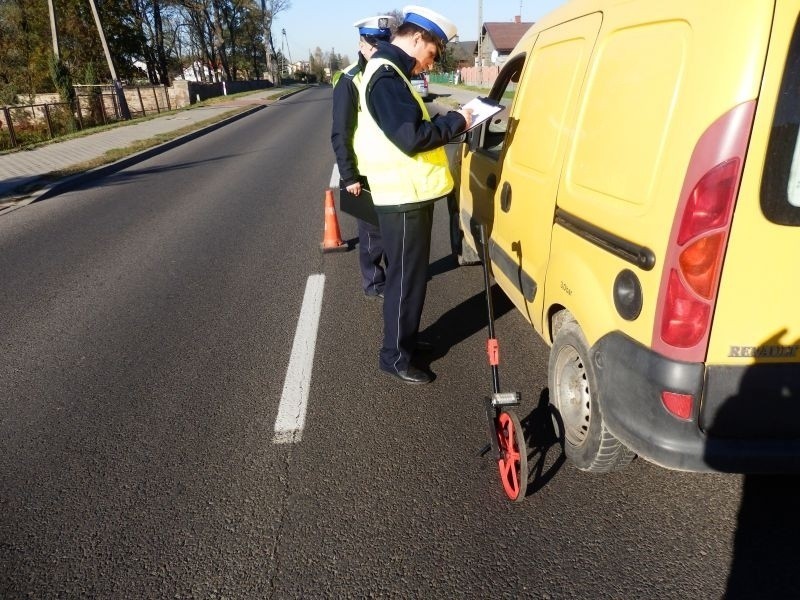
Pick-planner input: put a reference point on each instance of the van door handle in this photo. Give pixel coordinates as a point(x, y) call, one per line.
point(505, 197)
point(491, 181)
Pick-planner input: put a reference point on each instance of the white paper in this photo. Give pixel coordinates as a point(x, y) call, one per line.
point(481, 110)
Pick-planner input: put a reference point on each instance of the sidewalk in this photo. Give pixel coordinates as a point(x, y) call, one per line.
point(451, 96)
point(24, 174)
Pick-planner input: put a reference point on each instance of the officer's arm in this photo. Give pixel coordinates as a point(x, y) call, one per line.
point(345, 119)
point(398, 115)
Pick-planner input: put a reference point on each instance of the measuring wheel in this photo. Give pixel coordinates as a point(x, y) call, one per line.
point(506, 438)
point(513, 459)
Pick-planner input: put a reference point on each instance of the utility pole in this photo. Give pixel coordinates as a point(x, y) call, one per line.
point(123, 103)
point(480, 42)
point(54, 30)
point(288, 53)
point(282, 59)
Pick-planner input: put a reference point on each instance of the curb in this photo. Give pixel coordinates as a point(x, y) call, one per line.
point(68, 183)
point(292, 93)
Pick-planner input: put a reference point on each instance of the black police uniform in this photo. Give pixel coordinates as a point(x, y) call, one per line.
point(345, 120)
point(406, 228)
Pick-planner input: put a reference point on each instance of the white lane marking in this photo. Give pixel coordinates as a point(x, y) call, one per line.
point(294, 399)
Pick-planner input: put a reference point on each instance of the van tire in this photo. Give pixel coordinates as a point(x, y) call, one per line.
point(573, 394)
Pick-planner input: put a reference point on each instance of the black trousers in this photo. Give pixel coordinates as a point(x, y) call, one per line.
point(371, 258)
point(407, 244)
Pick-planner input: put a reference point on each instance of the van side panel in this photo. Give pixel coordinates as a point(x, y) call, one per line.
point(627, 115)
point(660, 75)
point(542, 123)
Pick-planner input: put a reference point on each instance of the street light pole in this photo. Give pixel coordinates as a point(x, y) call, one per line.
point(123, 103)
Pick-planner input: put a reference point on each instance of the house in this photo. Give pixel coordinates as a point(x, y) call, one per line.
point(301, 66)
point(463, 53)
point(498, 40)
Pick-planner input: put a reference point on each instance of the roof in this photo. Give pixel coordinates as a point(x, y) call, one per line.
point(505, 36)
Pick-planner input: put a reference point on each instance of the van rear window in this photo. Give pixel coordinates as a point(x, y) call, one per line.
point(780, 187)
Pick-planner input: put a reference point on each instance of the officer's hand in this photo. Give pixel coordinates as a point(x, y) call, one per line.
point(354, 188)
point(467, 114)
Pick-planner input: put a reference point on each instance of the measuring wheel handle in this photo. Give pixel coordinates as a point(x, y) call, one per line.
point(512, 461)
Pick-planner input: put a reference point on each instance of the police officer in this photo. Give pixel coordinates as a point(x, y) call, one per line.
point(400, 150)
point(345, 119)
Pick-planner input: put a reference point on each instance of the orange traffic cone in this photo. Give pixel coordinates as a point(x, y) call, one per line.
point(332, 238)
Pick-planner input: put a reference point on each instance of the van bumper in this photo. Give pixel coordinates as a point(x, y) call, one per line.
point(631, 379)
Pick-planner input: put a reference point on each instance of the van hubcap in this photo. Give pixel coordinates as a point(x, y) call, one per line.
point(573, 397)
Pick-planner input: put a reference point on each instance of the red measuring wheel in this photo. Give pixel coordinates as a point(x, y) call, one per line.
point(513, 460)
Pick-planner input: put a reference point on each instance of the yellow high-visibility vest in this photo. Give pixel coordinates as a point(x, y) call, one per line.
point(346, 71)
point(394, 177)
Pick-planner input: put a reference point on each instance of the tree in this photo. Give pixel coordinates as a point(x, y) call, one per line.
point(269, 9)
point(24, 49)
point(145, 37)
point(62, 79)
point(335, 62)
point(317, 64)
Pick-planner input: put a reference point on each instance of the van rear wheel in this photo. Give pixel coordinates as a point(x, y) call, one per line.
point(573, 393)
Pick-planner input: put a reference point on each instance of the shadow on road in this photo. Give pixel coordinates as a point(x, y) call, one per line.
point(442, 266)
point(766, 543)
point(545, 446)
point(462, 322)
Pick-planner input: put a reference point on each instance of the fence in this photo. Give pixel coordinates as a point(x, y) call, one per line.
point(479, 76)
point(24, 124)
point(474, 76)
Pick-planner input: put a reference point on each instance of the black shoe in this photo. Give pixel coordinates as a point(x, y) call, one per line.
point(378, 296)
point(410, 375)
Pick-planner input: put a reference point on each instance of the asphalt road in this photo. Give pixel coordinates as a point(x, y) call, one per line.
point(147, 324)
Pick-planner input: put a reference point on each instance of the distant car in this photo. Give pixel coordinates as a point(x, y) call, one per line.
point(420, 83)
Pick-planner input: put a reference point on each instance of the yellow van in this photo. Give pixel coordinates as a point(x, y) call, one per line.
point(642, 196)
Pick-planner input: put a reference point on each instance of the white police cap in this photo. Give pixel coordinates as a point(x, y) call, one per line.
point(431, 21)
point(378, 27)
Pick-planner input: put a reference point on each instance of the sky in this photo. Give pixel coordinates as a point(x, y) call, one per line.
point(329, 24)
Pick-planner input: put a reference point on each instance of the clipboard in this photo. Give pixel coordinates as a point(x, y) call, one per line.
point(360, 206)
point(483, 109)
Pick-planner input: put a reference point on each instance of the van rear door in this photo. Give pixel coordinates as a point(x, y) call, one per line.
point(755, 333)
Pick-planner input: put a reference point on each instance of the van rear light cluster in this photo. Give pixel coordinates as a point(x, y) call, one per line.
point(701, 244)
point(694, 259)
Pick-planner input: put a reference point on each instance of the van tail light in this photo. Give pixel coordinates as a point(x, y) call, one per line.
point(696, 251)
point(701, 262)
